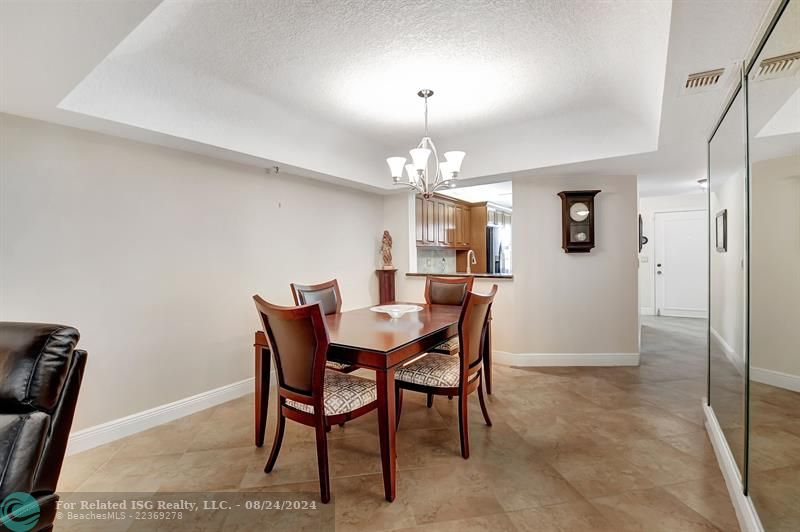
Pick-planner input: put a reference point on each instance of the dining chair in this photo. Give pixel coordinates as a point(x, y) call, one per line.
point(446, 291)
point(440, 374)
point(329, 296)
point(308, 392)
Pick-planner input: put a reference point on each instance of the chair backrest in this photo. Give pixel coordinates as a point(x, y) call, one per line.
point(447, 290)
point(34, 363)
point(299, 340)
point(326, 294)
point(471, 327)
point(41, 372)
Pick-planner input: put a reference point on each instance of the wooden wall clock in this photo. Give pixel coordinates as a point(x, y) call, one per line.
point(577, 220)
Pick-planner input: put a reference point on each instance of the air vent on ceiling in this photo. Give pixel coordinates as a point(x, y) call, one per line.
point(703, 80)
point(781, 65)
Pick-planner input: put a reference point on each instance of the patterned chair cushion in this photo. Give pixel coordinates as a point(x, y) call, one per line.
point(343, 393)
point(441, 371)
point(338, 366)
point(449, 347)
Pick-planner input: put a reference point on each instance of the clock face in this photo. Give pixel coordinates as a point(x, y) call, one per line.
point(579, 211)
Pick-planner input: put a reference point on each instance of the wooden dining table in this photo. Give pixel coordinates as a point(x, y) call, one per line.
point(373, 341)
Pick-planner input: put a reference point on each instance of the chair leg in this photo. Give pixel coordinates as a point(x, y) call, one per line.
point(276, 445)
point(430, 400)
point(463, 425)
point(398, 402)
point(322, 462)
point(327, 428)
point(483, 405)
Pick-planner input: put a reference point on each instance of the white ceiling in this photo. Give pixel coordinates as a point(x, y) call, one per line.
point(327, 89)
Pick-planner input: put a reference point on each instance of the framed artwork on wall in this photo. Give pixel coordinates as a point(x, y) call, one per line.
point(721, 233)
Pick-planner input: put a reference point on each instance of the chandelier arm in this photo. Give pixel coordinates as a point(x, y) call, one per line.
point(437, 181)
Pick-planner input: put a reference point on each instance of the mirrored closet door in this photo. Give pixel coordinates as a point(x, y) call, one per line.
point(773, 107)
point(727, 287)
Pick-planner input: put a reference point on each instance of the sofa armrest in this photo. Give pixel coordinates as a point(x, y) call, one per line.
point(22, 440)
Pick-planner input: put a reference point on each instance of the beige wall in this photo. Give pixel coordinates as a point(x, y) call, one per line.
point(775, 267)
point(557, 302)
point(154, 255)
point(575, 302)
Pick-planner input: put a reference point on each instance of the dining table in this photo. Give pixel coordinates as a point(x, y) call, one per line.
point(374, 341)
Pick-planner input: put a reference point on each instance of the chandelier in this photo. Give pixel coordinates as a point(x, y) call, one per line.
point(421, 176)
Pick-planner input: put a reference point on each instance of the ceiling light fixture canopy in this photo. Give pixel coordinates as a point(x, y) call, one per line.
point(421, 175)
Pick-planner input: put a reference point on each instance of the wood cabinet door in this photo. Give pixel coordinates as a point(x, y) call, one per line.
point(459, 229)
point(450, 224)
point(441, 223)
point(419, 216)
point(466, 223)
point(430, 222)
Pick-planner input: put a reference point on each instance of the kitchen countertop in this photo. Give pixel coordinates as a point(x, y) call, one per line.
point(479, 275)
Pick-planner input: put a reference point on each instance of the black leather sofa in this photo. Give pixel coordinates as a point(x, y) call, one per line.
point(40, 376)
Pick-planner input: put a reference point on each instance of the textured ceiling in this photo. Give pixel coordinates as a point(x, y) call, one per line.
point(327, 90)
point(331, 86)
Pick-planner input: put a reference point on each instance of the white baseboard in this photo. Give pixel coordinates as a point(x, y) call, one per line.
point(742, 504)
point(786, 381)
point(647, 311)
point(88, 438)
point(566, 359)
point(732, 356)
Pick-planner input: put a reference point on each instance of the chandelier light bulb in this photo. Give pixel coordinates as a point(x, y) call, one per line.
point(412, 173)
point(445, 167)
point(455, 158)
point(396, 166)
point(420, 157)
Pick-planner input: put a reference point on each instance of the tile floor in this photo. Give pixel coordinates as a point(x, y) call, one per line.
point(571, 449)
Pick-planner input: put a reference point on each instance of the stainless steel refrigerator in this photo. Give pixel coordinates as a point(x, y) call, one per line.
point(498, 250)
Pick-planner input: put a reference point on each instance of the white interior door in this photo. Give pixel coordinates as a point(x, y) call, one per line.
point(681, 264)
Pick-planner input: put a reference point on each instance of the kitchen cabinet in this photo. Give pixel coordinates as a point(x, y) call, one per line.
point(441, 222)
point(462, 226)
point(419, 211)
point(429, 218)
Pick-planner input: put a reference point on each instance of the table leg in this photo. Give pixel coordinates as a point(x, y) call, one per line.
point(262, 356)
point(386, 428)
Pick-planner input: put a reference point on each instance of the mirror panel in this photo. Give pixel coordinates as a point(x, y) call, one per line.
point(774, 143)
point(727, 342)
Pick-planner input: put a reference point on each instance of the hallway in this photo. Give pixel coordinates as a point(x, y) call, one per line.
point(571, 449)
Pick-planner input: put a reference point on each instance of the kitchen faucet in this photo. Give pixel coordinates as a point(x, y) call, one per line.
point(471, 260)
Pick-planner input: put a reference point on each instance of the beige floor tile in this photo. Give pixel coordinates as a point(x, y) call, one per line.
point(495, 523)
point(460, 493)
point(578, 516)
point(595, 472)
point(710, 499)
point(360, 505)
point(651, 510)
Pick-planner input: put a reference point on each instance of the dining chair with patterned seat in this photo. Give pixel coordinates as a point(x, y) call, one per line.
point(329, 296)
point(439, 374)
point(308, 392)
point(446, 291)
